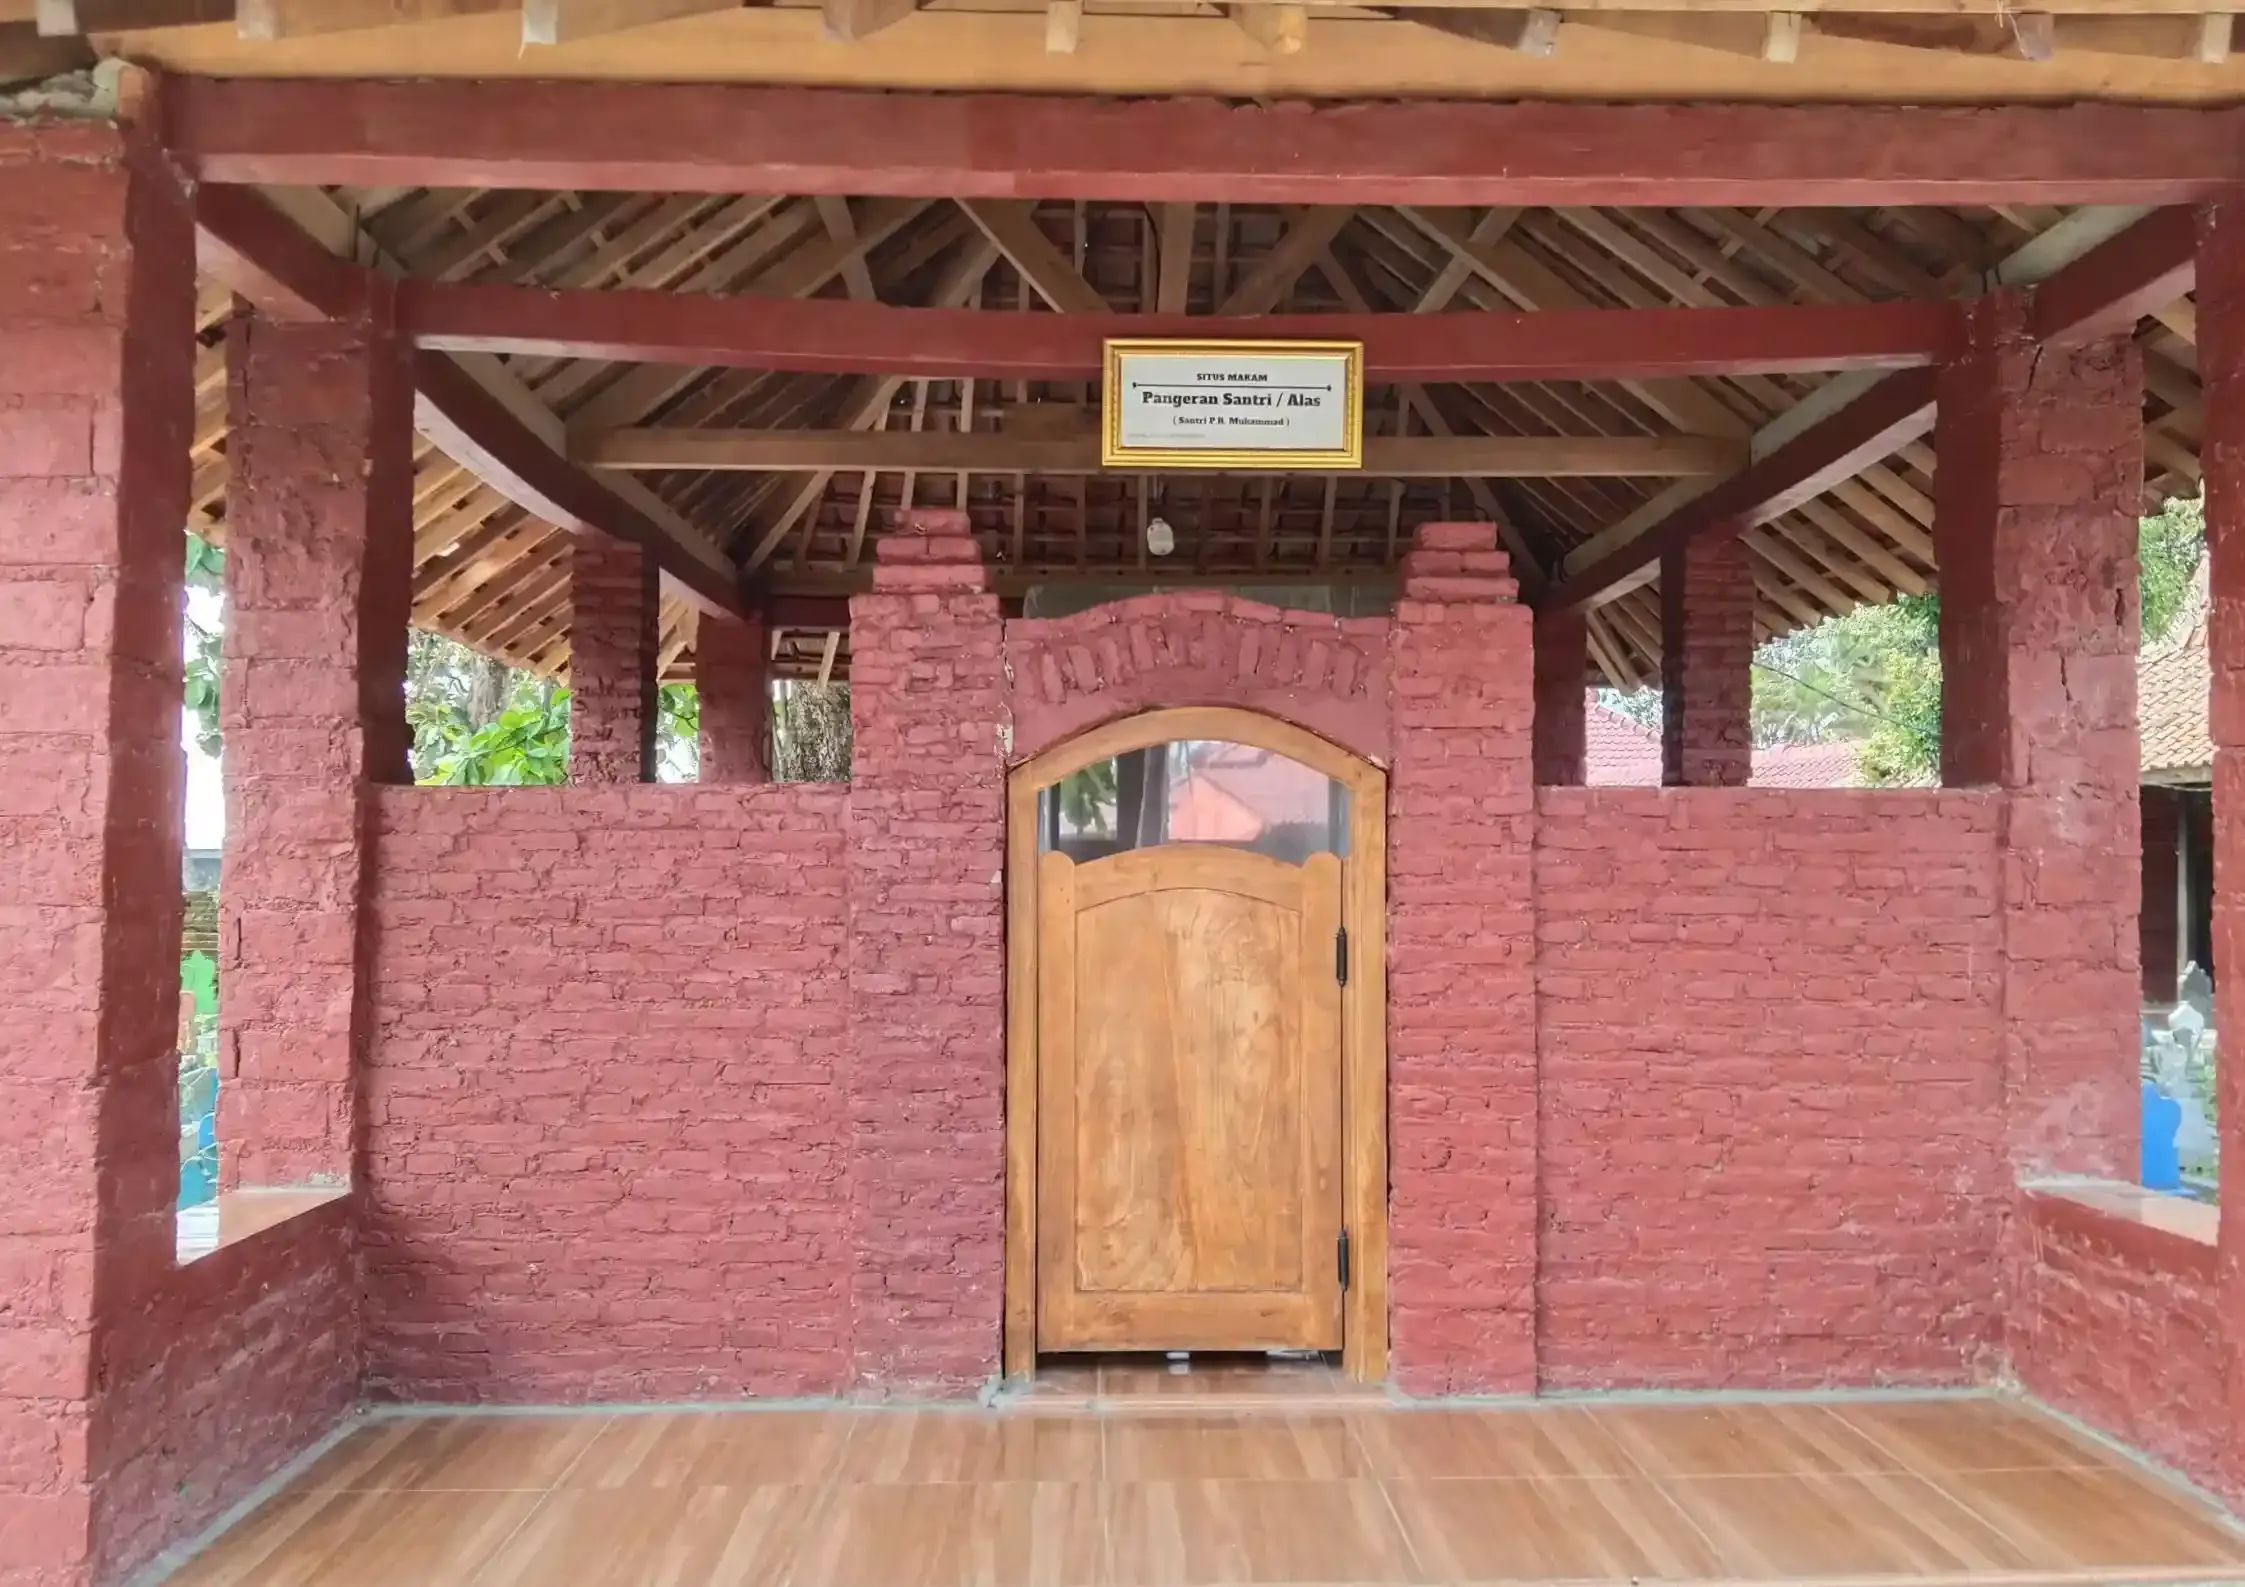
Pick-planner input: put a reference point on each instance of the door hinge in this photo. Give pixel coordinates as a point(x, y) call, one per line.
point(1341, 956)
point(1344, 1259)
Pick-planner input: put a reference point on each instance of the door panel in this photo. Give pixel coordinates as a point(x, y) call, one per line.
point(1189, 1101)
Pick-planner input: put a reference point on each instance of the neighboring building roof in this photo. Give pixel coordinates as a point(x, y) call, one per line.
point(1620, 753)
point(2172, 681)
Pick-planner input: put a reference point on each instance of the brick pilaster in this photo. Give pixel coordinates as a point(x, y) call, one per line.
point(1707, 664)
point(614, 613)
point(319, 590)
point(733, 677)
point(97, 294)
point(1562, 661)
point(2221, 369)
point(927, 964)
point(2040, 484)
point(1461, 993)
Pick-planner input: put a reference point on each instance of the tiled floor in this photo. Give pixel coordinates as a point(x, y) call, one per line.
point(1863, 1492)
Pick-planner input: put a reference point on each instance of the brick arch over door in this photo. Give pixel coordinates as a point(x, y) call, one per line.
point(1198, 648)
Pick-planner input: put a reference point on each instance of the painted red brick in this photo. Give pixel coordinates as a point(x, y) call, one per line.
point(1198, 647)
point(2119, 1325)
point(136, 1400)
point(614, 613)
point(1706, 664)
point(926, 861)
point(1562, 667)
point(1771, 1087)
point(605, 1127)
point(2221, 298)
point(319, 589)
point(2038, 494)
point(733, 679)
point(1461, 998)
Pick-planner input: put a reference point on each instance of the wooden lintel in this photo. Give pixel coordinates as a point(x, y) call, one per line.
point(2112, 286)
point(832, 335)
point(750, 139)
point(1890, 415)
point(945, 452)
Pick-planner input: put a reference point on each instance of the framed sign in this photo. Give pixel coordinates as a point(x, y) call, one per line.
point(1240, 405)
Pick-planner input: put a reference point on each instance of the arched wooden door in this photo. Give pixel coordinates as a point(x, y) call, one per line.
point(1196, 1084)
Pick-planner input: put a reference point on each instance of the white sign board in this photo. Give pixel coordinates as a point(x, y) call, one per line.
point(1260, 405)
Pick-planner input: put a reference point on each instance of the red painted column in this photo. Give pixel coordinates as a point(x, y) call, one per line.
point(2037, 497)
point(97, 295)
point(2221, 369)
point(1707, 664)
point(927, 964)
point(319, 578)
point(1461, 990)
point(614, 617)
point(733, 677)
point(1562, 667)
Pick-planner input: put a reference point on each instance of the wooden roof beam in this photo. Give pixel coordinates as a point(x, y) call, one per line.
point(984, 452)
point(1895, 411)
point(573, 21)
point(483, 417)
point(825, 335)
point(2115, 284)
point(609, 136)
point(1013, 229)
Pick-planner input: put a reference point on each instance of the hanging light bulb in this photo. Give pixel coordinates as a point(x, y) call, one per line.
point(1160, 538)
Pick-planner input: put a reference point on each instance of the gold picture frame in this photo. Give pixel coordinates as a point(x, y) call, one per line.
point(1114, 453)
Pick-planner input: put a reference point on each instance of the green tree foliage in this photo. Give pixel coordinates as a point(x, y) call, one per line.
point(1873, 677)
point(206, 572)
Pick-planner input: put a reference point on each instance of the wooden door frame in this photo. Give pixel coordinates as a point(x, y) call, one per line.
point(1364, 1091)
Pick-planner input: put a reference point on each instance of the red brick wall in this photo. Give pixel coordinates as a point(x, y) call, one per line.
point(605, 1148)
point(1771, 1087)
point(926, 1103)
point(2118, 1324)
point(1198, 647)
point(1461, 1001)
point(614, 606)
point(219, 1375)
point(1706, 672)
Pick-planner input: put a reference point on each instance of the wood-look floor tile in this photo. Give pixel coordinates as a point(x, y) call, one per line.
point(981, 1534)
point(2076, 1517)
point(704, 1536)
point(970, 1446)
point(713, 1449)
point(364, 1539)
point(1556, 1442)
point(1789, 1528)
point(1260, 1445)
point(427, 1453)
point(1197, 1534)
point(1930, 1436)
point(1739, 1440)
point(1528, 1528)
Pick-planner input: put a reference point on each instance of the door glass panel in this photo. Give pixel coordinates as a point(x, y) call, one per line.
point(1195, 791)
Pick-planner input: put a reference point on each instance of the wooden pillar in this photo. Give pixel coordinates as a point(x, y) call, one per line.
point(614, 613)
point(2037, 497)
point(2221, 366)
point(733, 677)
point(319, 579)
point(1562, 664)
point(1707, 664)
point(2161, 934)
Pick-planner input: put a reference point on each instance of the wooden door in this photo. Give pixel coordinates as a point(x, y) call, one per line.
point(1189, 1101)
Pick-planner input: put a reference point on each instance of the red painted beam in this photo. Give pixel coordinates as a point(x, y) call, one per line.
point(841, 336)
point(265, 257)
point(2115, 284)
point(716, 138)
point(475, 429)
point(1890, 415)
